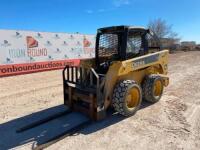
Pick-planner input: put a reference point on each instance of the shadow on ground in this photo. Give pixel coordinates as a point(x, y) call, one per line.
point(40, 134)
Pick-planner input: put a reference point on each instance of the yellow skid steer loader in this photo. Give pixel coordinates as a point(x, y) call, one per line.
point(128, 67)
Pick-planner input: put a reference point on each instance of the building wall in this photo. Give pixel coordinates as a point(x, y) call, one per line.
point(188, 43)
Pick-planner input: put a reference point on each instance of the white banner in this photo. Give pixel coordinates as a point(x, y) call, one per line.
point(25, 47)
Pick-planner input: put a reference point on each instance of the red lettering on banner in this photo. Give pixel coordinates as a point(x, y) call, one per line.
point(17, 69)
point(35, 52)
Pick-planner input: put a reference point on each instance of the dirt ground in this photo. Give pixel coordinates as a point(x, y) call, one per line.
point(172, 123)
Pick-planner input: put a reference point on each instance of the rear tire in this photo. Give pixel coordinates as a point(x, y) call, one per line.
point(127, 97)
point(152, 88)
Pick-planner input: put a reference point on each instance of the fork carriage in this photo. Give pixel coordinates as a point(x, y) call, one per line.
point(83, 91)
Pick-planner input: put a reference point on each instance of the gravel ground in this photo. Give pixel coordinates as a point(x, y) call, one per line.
point(172, 123)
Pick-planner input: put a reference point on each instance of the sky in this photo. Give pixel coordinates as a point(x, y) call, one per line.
point(85, 16)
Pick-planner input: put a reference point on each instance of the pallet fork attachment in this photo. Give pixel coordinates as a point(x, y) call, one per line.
point(82, 91)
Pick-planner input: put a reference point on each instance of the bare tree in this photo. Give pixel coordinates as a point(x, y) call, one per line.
point(168, 38)
point(162, 29)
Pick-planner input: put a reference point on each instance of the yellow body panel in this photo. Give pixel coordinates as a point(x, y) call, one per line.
point(136, 69)
point(132, 69)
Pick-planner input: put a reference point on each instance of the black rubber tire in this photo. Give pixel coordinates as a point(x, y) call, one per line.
point(119, 94)
point(147, 88)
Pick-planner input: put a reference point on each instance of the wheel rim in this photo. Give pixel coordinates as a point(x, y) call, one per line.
point(132, 98)
point(157, 89)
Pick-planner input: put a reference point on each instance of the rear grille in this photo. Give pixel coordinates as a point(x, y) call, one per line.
point(108, 45)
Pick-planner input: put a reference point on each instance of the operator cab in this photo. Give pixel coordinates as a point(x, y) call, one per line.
point(119, 43)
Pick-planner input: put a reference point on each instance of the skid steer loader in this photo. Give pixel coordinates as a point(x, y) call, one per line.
point(128, 67)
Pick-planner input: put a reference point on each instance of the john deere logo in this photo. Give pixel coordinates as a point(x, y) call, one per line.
point(138, 63)
point(146, 60)
point(31, 42)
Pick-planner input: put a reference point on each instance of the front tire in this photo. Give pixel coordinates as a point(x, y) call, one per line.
point(127, 97)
